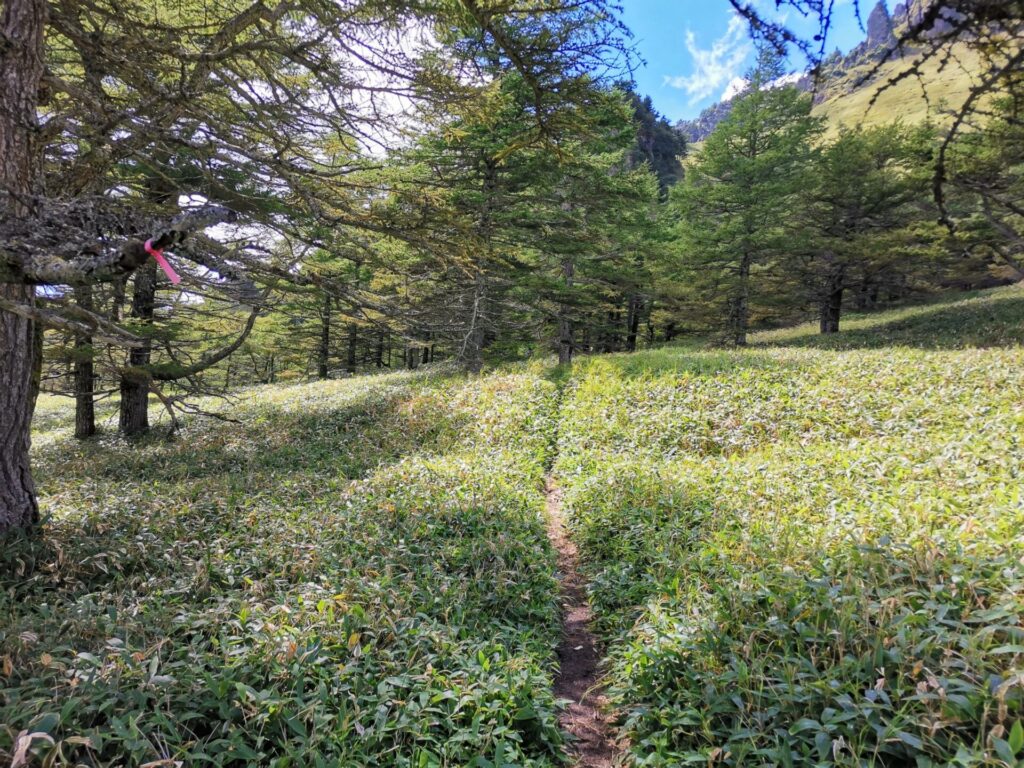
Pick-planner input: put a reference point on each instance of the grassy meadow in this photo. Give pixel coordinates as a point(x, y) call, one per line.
point(355, 574)
point(804, 553)
point(811, 552)
point(851, 100)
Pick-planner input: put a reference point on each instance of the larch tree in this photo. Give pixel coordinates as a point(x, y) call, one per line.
point(737, 205)
point(865, 214)
point(248, 92)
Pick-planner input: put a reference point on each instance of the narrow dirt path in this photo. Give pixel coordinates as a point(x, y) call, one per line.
point(578, 678)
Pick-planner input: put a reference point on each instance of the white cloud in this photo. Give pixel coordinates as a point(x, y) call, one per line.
point(735, 87)
point(738, 85)
point(715, 66)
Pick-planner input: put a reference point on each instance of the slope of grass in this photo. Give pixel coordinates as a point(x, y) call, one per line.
point(992, 318)
point(804, 553)
point(808, 556)
point(938, 90)
point(356, 574)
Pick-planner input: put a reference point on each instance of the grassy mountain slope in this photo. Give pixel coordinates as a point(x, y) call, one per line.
point(809, 553)
point(847, 99)
point(912, 99)
point(804, 553)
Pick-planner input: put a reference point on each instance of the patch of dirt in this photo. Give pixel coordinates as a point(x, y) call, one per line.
point(579, 678)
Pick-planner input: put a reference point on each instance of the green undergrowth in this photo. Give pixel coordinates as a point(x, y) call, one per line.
point(355, 574)
point(803, 556)
point(805, 553)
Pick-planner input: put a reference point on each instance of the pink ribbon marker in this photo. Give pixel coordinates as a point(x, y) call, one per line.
point(158, 254)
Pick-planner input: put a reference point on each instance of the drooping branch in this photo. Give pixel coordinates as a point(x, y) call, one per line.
point(175, 371)
point(88, 323)
point(22, 263)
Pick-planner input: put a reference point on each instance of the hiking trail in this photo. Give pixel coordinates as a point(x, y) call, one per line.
point(578, 679)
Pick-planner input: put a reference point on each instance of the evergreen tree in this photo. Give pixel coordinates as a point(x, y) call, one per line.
point(737, 209)
point(866, 216)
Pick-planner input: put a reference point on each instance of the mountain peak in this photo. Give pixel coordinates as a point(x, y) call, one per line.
point(880, 27)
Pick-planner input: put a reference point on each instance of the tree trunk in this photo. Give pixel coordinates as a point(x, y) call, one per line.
point(353, 340)
point(18, 365)
point(22, 26)
point(474, 346)
point(324, 351)
point(378, 357)
point(84, 379)
point(832, 301)
point(133, 419)
point(632, 322)
point(739, 315)
point(565, 329)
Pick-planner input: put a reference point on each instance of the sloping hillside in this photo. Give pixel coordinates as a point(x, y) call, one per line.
point(805, 553)
point(811, 556)
point(845, 95)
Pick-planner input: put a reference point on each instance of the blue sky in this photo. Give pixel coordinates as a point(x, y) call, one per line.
point(695, 48)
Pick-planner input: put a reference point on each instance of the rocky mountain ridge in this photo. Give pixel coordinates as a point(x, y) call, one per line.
point(882, 32)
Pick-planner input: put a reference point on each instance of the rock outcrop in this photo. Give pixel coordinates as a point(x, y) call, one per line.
point(881, 32)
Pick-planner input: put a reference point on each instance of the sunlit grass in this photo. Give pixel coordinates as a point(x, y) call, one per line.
point(354, 573)
point(811, 556)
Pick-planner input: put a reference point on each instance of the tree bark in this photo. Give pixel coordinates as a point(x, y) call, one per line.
point(133, 418)
point(831, 306)
point(22, 26)
point(84, 378)
point(18, 388)
point(324, 350)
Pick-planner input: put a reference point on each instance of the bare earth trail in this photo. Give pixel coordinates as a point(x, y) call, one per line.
point(578, 679)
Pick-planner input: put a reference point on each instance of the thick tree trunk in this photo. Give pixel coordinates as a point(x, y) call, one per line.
point(22, 26)
point(18, 388)
point(85, 409)
point(135, 381)
point(324, 350)
point(831, 307)
point(353, 341)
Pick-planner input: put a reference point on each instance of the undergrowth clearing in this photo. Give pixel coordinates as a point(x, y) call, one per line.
point(805, 553)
